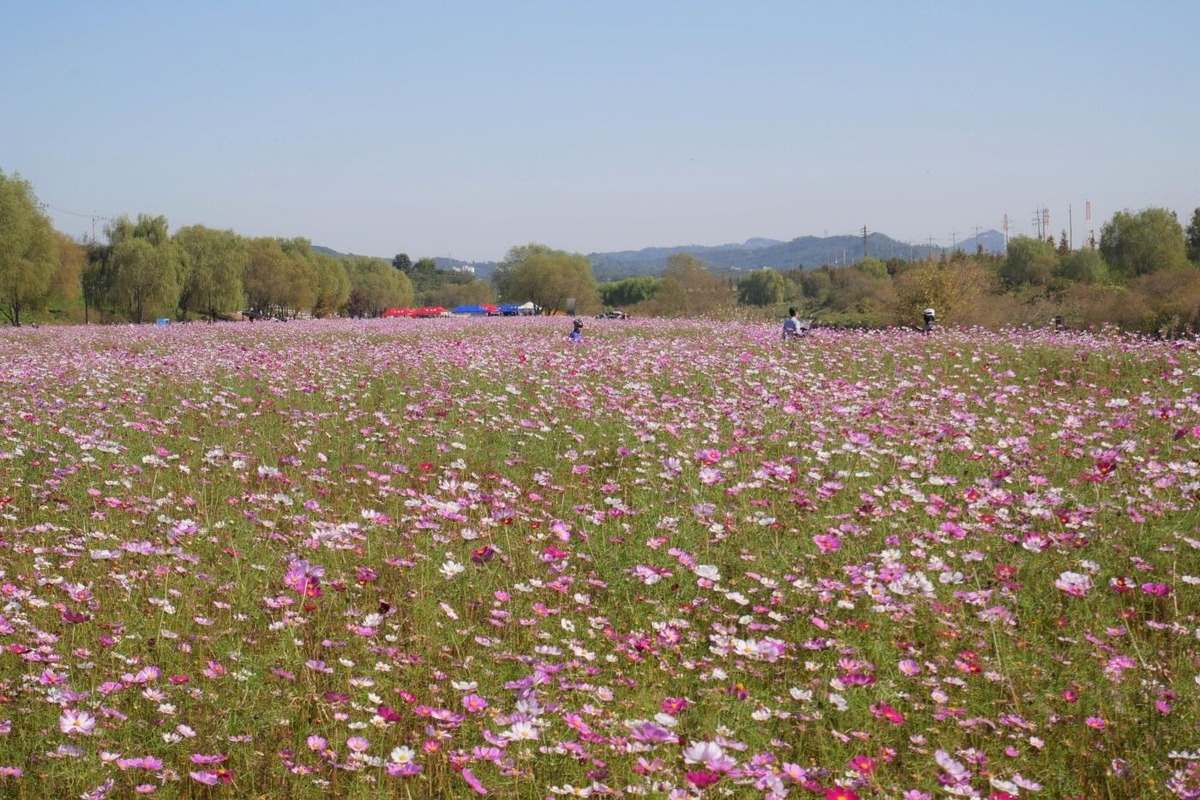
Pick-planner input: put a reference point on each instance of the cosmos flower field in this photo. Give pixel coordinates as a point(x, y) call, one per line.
point(442, 558)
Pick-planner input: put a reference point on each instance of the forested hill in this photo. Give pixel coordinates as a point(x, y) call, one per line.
point(803, 252)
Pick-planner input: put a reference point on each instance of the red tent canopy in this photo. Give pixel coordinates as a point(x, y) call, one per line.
point(398, 312)
point(491, 309)
point(429, 311)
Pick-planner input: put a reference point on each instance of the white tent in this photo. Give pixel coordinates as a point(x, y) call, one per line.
point(527, 309)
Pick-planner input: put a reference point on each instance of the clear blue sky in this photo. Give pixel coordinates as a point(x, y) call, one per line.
point(464, 128)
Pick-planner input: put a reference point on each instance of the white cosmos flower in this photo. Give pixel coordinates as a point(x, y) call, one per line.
point(702, 752)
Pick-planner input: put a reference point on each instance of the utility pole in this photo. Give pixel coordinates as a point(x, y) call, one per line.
point(976, 238)
point(96, 217)
point(953, 241)
point(1070, 228)
point(864, 242)
point(1005, 226)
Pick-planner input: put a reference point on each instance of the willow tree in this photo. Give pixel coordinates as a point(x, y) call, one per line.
point(145, 267)
point(28, 250)
point(375, 286)
point(214, 263)
point(266, 276)
point(549, 278)
point(145, 278)
point(762, 287)
point(1138, 243)
point(333, 285)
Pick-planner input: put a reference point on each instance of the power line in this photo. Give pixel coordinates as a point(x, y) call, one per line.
point(94, 217)
point(72, 213)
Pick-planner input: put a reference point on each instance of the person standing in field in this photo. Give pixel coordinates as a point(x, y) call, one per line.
point(929, 315)
point(577, 331)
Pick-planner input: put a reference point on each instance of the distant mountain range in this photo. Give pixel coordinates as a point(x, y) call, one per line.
point(805, 252)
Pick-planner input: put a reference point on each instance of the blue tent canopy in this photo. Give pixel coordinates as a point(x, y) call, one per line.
point(470, 309)
point(509, 308)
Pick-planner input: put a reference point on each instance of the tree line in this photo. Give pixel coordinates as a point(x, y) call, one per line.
point(142, 271)
point(1144, 275)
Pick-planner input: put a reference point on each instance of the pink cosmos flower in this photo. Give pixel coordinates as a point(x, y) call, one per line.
point(73, 722)
point(200, 758)
point(702, 779)
point(885, 711)
point(473, 782)
point(404, 770)
point(1074, 583)
point(645, 731)
point(864, 765)
point(674, 705)
point(839, 793)
point(826, 543)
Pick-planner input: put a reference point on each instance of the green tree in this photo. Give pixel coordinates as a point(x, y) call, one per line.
point(214, 263)
point(450, 295)
point(146, 268)
point(304, 284)
point(549, 278)
point(145, 278)
point(1083, 266)
point(265, 280)
point(1193, 238)
point(1064, 245)
point(815, 286)
point(28, 250)
point(375, 286)
point(96, 280)
point(1139, 243)
point(874, 267)
point(333, 285)
point(402, 262)
point(1029, 261)
point(762, 287)
point(628, 292)
point(153, 229)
